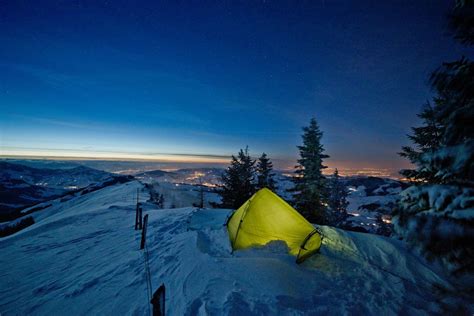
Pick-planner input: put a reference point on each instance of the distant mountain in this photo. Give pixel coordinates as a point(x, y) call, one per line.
point(16, 193)
point(155, 173)
point(69, 178)
point(22, 186)
point(208, 176)
point(375, 185)
point(371, 202)
point(44, 163)
point(215, 171)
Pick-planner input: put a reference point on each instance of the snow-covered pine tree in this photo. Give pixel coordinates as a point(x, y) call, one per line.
point(310, 190)
point(427, 139)
point(437, 214)
point(238, 180)
point(265, 175)
point(337, 200)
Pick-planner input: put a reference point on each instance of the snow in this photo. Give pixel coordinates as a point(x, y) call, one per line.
point(83, 257)
point(437, 219)
point(448, 201)
point(208, 218)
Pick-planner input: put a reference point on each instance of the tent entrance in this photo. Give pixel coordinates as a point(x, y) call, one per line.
point(305, 251)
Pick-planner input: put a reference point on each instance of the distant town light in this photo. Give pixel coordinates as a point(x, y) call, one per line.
point(387, 219)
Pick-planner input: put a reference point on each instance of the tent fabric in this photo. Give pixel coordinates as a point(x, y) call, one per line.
point(266, 217)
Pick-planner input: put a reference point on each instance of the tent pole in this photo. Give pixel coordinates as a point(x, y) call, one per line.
point(240, 223)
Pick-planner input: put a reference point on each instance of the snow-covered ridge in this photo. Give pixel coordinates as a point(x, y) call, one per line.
point(76, 177)
point(84, 258)
point(43, 210)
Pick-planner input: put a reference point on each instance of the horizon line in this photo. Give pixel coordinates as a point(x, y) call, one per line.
point(361, 171)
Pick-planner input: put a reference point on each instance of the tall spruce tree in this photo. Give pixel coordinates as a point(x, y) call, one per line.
point(238, 180)
point(310, 190)
point(436, 213)
point(337, 200)
point(265, 175)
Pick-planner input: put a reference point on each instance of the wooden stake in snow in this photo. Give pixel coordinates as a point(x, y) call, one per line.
point(136, 213)
point(140, 217)
point(158, 301)
point(145, 223)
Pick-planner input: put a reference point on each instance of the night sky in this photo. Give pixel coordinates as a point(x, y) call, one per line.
point(148, 79)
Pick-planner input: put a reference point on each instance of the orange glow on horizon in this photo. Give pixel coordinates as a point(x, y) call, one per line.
point(79, 155)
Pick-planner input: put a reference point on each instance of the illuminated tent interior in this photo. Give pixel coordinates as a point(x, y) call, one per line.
point(266, 217)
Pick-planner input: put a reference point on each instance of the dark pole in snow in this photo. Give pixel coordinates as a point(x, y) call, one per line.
point(140, 217)
point(158, 301)
point(136, 213)
point(136, 218)
point(145, 223)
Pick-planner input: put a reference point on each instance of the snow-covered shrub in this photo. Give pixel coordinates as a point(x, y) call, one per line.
point(454, 163)
point(439, 220)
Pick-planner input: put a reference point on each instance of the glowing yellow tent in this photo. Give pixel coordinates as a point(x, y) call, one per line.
point(266, 217)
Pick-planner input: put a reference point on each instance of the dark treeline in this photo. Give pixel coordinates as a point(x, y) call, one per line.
point(244, 177)
point(317, 198)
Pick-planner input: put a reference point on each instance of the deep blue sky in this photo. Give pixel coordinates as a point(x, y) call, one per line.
point(114, 77)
